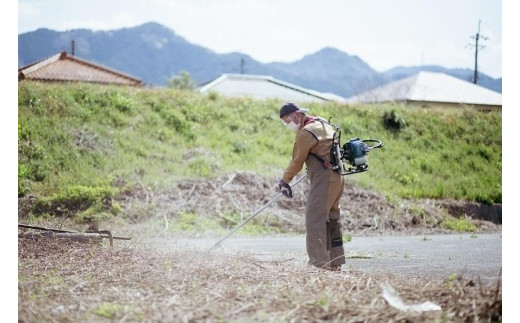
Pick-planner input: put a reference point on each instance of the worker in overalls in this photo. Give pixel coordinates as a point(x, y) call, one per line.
point(322, 215)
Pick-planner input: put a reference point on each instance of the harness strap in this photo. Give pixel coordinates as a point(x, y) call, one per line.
point(325, 164)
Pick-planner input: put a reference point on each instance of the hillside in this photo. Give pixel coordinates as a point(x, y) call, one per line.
point(156, 53)
point(91, 153)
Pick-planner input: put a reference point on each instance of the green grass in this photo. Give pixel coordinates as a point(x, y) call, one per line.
point(460, 225)
point(107, 310)
point(190, 223)
point(93, 143)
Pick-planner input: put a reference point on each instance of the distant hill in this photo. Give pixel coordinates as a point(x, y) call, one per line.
point(155, 53)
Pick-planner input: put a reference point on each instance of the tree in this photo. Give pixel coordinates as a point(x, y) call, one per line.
point(182, 81)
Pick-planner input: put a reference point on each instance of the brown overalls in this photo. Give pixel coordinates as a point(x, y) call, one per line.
point(324, 236)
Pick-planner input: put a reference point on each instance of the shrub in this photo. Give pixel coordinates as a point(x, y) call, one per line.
point(213, 96)
point(182, 81)
point(393, 120)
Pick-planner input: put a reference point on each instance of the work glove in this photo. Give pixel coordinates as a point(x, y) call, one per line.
point(285, 188)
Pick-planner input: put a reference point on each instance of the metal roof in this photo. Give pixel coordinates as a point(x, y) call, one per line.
point(262, 87)
point(67, 68)
point(430, 87)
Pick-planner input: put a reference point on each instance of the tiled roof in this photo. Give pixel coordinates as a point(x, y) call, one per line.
point(67, 68)
point(262, 87)
point(431, 87)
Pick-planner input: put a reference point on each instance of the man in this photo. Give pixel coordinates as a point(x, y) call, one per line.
point(312, 147)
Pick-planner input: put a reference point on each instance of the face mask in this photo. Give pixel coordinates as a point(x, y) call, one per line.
point(293, 126)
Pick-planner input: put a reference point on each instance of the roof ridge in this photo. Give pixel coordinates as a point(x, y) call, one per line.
point(99, 66)
point(265, 78)
point(124, 78)
point(41, 63)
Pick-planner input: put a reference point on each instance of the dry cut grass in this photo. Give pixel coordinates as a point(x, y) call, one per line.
point(73, 282)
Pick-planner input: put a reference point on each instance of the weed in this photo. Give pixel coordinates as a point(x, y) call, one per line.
point(460, 225)
point(187, 222)
point(199, 167)
point(107, 310)
point(322, 301)
point(418, 210)
point(122, 103)
point(451, 278)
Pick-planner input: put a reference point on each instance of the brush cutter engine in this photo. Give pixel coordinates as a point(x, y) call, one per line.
point(354, 152)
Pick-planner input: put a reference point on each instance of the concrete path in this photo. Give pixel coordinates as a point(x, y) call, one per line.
point(474, 256)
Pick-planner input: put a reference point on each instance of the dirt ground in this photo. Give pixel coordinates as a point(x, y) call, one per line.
point(65, 281)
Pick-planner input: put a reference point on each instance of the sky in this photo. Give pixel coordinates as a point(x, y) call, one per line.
point(383, 33)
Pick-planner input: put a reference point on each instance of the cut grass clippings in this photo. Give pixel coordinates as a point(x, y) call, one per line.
point(79, 282)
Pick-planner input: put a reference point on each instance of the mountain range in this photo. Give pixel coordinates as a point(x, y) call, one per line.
point(155, 53)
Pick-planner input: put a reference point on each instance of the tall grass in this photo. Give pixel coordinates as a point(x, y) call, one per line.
point(115, 137)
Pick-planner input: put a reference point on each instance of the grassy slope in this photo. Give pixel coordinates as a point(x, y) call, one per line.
point(80, 145)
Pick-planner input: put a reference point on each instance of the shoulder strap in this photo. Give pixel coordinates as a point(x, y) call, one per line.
point(325, 164)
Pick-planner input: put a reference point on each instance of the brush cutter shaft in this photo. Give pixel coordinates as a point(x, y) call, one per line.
point(249, 218)
point(255, 213)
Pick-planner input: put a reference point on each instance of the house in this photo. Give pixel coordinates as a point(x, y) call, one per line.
point(431, 89)
point(68, 68)
point(263, 87)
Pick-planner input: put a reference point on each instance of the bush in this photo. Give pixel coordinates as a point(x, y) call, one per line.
point(393, 120)
point(182, 81)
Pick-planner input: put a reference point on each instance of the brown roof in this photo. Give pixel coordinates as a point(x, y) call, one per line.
point(64, 68)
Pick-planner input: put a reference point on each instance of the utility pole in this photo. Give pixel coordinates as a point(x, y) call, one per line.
point(242, 63)
point(477, 46)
